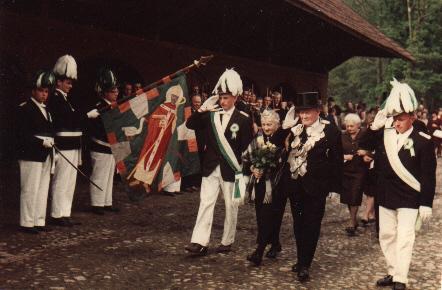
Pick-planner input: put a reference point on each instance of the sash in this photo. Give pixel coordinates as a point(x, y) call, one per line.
point(390, 140)
point(239, 187)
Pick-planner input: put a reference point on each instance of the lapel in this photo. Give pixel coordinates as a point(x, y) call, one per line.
point(233, 119)
point(39, 112)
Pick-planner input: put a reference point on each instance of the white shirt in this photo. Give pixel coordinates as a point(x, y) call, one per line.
point(42, 108)
point(63, 94)
point(401, 138)
point(226, 117)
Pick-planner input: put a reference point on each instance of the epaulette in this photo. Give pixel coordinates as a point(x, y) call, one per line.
point(325, 121)
point(425, 135)
point(22, 104)
point(244, 113)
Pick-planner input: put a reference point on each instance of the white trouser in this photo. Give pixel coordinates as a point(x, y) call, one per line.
point(63, 184)
point(396, 236)
point(210, 187)
point(34, 187)
point(103, 169)
point(174, 186)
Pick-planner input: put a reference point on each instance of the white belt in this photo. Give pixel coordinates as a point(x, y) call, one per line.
point(44, 138)
point(101, 142)
point(69, 134)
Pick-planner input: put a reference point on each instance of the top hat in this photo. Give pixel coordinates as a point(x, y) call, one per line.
point(307, 100)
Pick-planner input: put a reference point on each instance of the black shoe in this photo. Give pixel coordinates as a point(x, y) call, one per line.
point(399, 286)
point(295, 268)
point(351, 231)
point(178, 192)
point(255, 258)
point(273, 252)
point(364, 223)
point(43, 229)
point(98, 210)
point(386, 281)
point(303, 274)
point(167, 193)
point(62, 222)
point(29, 230)
point(223, 249)
point(196, 249)
point(72, 222)
point(111, 208)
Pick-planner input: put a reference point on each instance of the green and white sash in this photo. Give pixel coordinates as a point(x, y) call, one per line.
point(239, 187)
point(390, 140)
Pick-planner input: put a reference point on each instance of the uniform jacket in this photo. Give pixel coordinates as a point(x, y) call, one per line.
point(97, 133)
point(66, 118)
point(324, 163)
point(211, 155)
point(392, 192)
point(31, 122)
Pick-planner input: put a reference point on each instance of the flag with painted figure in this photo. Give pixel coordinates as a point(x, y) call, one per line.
point(149, 139)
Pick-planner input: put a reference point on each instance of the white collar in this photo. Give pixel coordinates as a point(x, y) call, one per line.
point(228, 112)
point(40, 105)
point(313, 127)
point(107, 101)
point(62, 93)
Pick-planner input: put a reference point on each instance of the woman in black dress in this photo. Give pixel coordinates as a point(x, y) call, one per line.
point(355, 169)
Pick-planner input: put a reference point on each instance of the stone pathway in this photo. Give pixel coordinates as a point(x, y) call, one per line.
point(143, 248)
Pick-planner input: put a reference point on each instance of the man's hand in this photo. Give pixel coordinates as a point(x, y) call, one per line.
point(92, 114)
point(348, 157)
point(379, 120)
point(289, 120)
point(425, 212)
point(257, 173)
point(48, 143)
point(210, 104)
point(367, 159)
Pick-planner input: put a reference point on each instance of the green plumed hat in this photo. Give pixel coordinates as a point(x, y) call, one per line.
point(106, 81)
point(44, 79)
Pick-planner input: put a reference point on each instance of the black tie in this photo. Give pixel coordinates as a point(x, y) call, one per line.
point(221, 118)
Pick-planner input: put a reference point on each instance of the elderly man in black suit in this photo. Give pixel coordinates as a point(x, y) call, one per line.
point(405, 165)
point(313, 169)
point(227, 134)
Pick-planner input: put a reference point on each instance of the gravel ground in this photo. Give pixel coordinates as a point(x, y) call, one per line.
point(143, 248)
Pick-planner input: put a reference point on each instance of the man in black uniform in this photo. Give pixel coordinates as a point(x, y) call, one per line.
point(405, 167)
point(102, 160)
point(313, 169)
point(35, 141)
point(68, 132)
point(228, 133)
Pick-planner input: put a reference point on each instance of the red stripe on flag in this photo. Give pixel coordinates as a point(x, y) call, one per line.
point(112, 138)
point(152, 94)
point(124, 107)
point(121, 167)
point(166, 79)
point(192, 145)
point(187, 112)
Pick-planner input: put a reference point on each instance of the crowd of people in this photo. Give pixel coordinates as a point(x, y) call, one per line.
point(266, 150)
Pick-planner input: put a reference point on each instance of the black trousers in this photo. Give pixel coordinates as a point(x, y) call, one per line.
point(265, 216)
point(307, 211)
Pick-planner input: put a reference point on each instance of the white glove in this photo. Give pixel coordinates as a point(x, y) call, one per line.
point(210, 104)
point(289, 120)
point(48, 143)
point(92, 114)
point(425, 213)
point(333, 195)
point(379, 120)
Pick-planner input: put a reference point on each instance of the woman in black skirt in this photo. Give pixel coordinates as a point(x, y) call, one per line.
point(355, 169)
point(261, 185)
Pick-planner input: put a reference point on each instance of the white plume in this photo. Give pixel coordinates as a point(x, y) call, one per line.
point(401, 99)
point(229, 81)
point(66, 66)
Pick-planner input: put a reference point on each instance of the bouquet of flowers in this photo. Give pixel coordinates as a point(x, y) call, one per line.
point(263, 156)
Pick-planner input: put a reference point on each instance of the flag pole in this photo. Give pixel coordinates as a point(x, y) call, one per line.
point(196, 64)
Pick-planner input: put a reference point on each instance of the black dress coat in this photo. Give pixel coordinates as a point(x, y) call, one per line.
point(392, 192)
point(212, 156)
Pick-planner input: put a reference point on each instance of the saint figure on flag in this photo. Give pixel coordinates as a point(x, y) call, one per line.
point(161, 125)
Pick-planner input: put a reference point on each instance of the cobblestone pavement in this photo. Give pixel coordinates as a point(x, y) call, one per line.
point(143, 248)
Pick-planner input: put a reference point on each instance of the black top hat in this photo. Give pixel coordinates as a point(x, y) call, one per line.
point(307, 100)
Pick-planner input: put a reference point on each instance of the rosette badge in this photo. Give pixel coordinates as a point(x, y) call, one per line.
point(234, 129)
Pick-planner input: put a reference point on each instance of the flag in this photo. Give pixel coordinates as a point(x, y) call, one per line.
point(149, 139)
